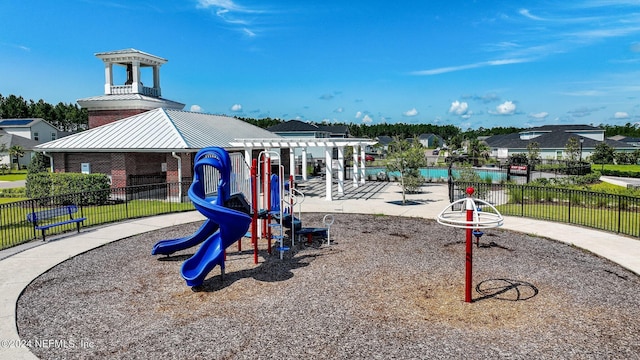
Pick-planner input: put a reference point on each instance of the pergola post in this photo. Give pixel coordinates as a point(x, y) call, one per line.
point(355, 166)
point(292, 163)
point(304, 164)
point(340, 170)
point(328, 181)
point(362, 160)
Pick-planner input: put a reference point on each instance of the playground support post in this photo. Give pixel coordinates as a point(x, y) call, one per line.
point(268, 201)
point(469, 246)
point(254, 204)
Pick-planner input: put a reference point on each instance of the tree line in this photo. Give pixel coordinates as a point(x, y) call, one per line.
point(65, 117)
point(70, 117)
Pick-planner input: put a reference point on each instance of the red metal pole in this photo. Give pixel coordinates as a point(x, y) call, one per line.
point(469, 247)
point(254, 204)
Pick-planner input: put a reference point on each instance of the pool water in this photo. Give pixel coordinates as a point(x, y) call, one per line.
point(442, 173)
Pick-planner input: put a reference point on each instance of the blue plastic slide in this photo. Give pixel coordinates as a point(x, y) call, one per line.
point(224, 226)
point(168, 247)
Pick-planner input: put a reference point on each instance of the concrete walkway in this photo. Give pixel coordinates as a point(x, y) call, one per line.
point(12, 184)
point(371, 198)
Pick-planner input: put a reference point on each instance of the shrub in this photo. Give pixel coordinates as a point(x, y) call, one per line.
point(12, 193)
point(92, 187)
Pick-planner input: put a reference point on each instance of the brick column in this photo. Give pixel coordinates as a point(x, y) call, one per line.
point(59, 162)
point(118, 170)
point(172, 169)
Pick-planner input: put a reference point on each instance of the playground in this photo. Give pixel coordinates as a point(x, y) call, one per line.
point(387, 287)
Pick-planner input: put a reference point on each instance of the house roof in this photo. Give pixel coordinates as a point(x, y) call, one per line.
point(552, 140)
point(384, 139)
point(159, 130)
point(301, 126)
point(10, 140)
point(294, 126)
point(564, 128)
point(335, 129)
point(20, 123)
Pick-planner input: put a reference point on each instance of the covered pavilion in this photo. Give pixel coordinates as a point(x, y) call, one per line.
point(328, 144)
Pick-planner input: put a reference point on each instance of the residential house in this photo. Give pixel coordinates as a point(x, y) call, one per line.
point(7, 141)
point(431, 140)
point(552, 141)
point(36, 129)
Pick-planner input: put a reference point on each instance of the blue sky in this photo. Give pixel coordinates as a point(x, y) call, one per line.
point(467, 63)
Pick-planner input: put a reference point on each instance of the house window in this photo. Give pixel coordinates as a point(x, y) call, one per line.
point(36, 137)
point(53, 136)
point(558, 154)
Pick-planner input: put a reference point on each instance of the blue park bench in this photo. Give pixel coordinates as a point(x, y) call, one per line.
point(45, 219)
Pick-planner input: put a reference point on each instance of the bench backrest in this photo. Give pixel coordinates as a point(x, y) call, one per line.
point(36, 216)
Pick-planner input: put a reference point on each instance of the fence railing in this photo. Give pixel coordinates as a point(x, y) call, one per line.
point(608, 212)
point(99, 207)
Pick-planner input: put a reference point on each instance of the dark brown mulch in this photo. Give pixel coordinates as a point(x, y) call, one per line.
point(387, 287)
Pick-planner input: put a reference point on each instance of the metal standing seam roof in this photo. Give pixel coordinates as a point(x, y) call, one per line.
point(158, 130)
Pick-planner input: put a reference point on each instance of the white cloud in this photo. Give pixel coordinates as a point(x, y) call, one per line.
point(339, 110)
point(232, 13)
point(236, 108)
point(224, 5)
point(526, 13)
point(367, 119)
point(540, 115)
point(506, 108)
point(248, 32)
point(459, 108)
point(448, 69)
point(195, 108)
point(621, 115)
point(358, 114)
point(412, 112)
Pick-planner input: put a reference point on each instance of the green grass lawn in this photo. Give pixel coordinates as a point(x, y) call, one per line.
point(611, 167)
point(605, 218)
point(10, 200)
point(14, 176)
point(16, 229)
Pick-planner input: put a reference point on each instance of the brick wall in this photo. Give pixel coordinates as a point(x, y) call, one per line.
point(120, 165)
point(102, 117)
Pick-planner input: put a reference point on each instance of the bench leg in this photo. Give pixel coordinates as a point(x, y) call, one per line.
point(78, 225)
point(43, 236)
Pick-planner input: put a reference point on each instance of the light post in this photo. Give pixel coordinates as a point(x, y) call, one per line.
point(581, 142)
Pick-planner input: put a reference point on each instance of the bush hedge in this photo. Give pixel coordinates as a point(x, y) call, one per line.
point(12, 193)
point(91, 186)
point(620, 173)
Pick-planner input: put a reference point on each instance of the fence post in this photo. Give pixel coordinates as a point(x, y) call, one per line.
point(126, 201)
point(569, 219)
point(619, 212)
point(522, 200)
point(33, 209)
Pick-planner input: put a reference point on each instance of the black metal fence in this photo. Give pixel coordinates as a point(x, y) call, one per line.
point(608, 212)
point(99, 207)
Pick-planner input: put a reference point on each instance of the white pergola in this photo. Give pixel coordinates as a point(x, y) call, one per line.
point(327, 143)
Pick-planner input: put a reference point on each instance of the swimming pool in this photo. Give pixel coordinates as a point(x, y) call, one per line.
point(496, 175)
